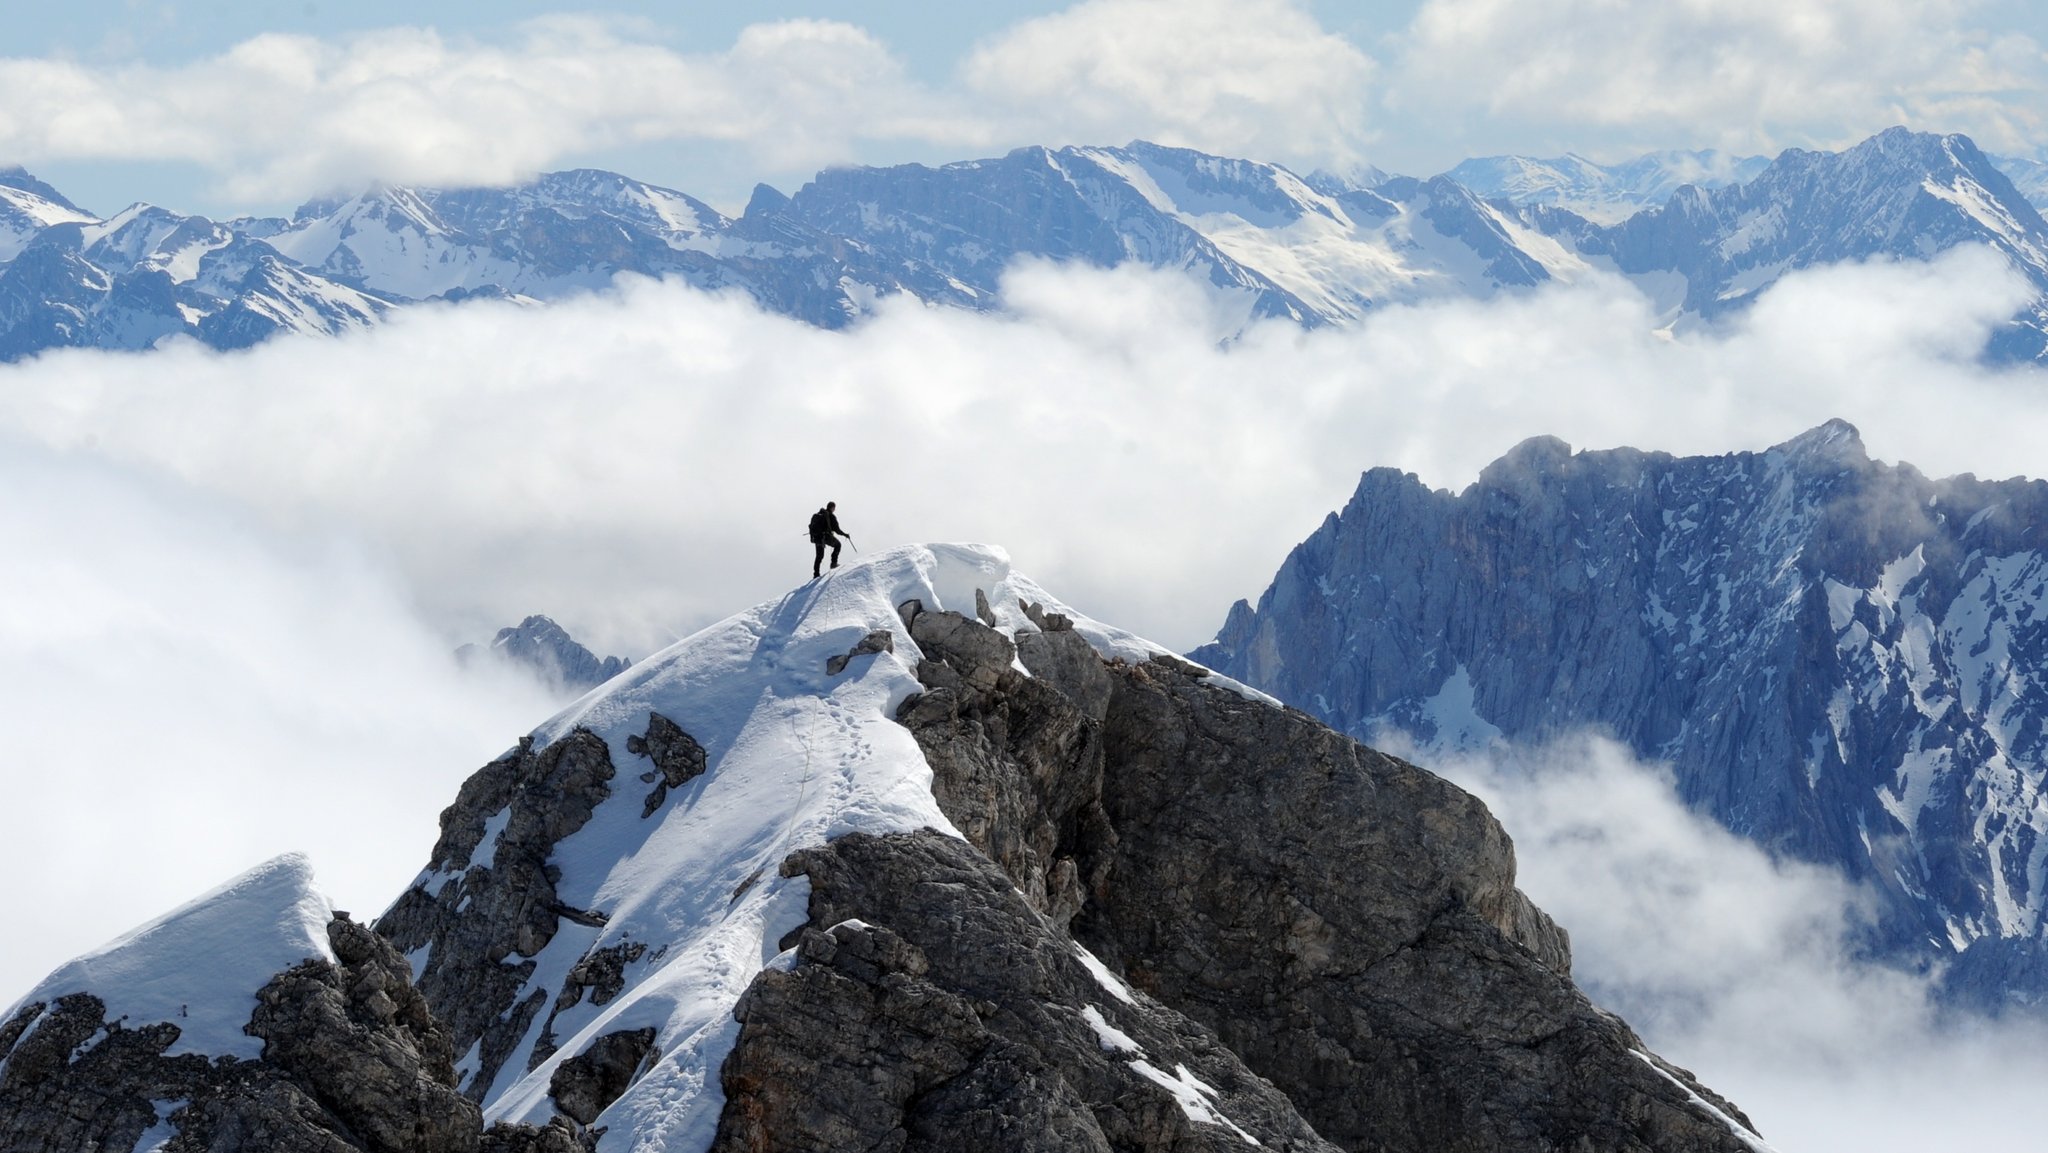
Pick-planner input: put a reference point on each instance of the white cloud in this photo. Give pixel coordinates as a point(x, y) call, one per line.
point(283, 115)
point(279, 116)
point(1260, 79)
point(1744, 74)
point(188, 694)
point(643, 461)
point(1743, 969)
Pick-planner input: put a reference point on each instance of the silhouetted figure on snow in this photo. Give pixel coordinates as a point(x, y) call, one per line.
point(825, 531)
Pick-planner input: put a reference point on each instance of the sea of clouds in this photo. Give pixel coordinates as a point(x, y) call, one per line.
point(235, 579)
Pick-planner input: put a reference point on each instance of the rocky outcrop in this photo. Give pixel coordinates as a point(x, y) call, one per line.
point(488, 901)
point(584, 1084)
point(938, 1011)
point(1344, 922)
point(1839, 659)
point(678, 759)
point(877, 641)
point(352, 1062)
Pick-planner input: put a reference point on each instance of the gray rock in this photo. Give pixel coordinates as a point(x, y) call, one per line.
point(583, 1085)
point(1345, 922)
point(950, 1016)
point(678, 758)
point(492, 914)
point(1046, 621)
point(878, 641)
point(352, 1063)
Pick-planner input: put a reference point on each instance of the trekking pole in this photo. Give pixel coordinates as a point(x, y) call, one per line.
point(856, 548)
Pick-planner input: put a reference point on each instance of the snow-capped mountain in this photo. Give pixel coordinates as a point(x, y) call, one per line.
point(913, 858)
point(1843, 660)
point(1321, 250)
point(28, 206)
point(2029, 176)
point(1603, 193)
point(1900, 194)
point(545, 649)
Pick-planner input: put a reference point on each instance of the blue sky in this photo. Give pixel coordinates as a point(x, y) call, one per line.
point(247, 106)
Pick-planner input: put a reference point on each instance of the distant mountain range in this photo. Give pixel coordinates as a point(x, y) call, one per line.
point(1701, 232)
point(1843, 660)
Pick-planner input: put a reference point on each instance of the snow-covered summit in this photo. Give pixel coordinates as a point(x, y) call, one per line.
point(791, 754)
point(200, 965)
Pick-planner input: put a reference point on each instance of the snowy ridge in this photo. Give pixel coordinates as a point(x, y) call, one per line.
point(200, 965)
point(795, 757)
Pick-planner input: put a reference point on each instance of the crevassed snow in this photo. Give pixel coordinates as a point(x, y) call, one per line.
point(794, 758)
point(200, 966)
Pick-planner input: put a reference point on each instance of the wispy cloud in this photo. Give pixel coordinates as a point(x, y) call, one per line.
point(279, 116)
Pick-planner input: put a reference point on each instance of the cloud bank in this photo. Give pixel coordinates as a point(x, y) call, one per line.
point(278, 117)
point(1742, 968)
point(643, 461)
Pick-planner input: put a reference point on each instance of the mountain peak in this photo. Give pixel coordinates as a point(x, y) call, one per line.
point(1835, 440)
point(15, 176)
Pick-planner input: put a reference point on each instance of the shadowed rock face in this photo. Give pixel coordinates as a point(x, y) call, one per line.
point(969, 1028)
point(490, 909)
point(1292, 908)
point(352, 1063)
point(1840, 659)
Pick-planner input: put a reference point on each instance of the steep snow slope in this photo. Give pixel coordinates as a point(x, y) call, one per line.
point(201, 964)
point(795, 757)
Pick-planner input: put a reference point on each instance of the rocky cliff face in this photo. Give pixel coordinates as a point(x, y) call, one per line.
point(895, 877)
point(1840, 659)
